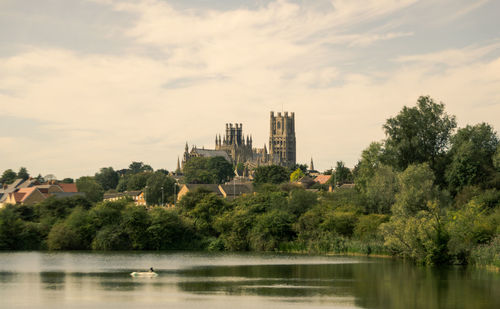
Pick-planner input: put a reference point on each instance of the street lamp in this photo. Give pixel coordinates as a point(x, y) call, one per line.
point(162, 196)
point(175, 192)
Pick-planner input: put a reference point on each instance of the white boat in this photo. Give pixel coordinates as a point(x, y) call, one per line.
point(144, 274)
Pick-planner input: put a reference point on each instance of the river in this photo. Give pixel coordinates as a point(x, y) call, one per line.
point(227, 280)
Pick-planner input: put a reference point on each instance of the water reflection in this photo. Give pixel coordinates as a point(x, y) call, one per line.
point(52, 280)
point(86, 280)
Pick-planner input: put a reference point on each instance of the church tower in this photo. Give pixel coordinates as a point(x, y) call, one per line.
point(282, 139)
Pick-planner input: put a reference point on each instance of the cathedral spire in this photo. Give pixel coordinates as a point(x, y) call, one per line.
point(178, 169)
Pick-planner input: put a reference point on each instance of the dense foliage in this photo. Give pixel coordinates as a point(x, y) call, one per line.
point(426, 193)
point(214, 170)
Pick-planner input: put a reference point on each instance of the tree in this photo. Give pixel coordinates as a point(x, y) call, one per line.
point(208, 170)
point(93, 191)
point(419, 134)
point(23, 173)
point(296, 175)
point(371, 159)
point(380, 190)
point(416, 228)
point(302, 167)
point(273, 174)
point(160, 189)
point(270, 229)
point(163, 171)
point(107, 178)
point(168, 231)
point(496, 159)
point(468, 227)
point(221, 169)
point(300, 201)
point(342, 174)
point(67, 180)
point(75, 233)
point(10, 229)
point(139, 167)
point(8, 176)
point(137, 181)
point(135, 221)
point(471, 156)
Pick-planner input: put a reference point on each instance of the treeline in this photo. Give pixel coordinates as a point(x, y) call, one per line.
point(275, 218)
point(439, 185)
point(428, 192)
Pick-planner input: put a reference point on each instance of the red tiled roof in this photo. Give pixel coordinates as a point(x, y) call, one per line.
point(322, 179)
point(68, 187)
point(19, 196)
point(26, 192)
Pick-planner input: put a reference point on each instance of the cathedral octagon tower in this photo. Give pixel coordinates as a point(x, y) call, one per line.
point(282, 138)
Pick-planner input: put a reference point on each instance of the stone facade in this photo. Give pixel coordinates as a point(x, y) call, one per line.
point(282, 144)
point(236, 148)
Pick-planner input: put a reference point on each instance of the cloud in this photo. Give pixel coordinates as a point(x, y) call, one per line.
point(219, 66)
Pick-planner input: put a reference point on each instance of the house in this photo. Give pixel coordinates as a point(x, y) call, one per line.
point(20, 191)
point(68, 187)
point(19, 183)
point(322, 179)
point(232, 191)
point(25, 196)
point(305, 182)
point(229, 190)
point(49, 189)
point(193, 187)
point(136, 196)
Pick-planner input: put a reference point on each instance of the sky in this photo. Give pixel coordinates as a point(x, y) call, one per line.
point(87, 84)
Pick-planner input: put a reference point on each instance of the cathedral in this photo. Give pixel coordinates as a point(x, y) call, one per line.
point(236, 148)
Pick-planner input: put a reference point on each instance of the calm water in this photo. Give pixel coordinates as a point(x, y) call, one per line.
point(202, 280)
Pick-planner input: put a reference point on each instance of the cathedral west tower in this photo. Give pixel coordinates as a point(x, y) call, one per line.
point(282, 138)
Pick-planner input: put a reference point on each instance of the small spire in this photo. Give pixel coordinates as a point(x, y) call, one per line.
point(312, 165)
point(178, 169)
point(186, 148)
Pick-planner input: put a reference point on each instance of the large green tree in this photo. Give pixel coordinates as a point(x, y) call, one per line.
point(371, 160)
point(208, 170)
point(160, 189)
point(93, 190)
point(341, 175)
point(137, 181)
point(139, 167)
point(419, 134)
point(23, 173)
point(8, 176)
point(107, 178)
point(416, 228)
point(380, 190)
point(471, 156)
point(274, 174)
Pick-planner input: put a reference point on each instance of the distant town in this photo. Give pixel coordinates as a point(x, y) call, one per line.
point(234, 147)
point(428, 192)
